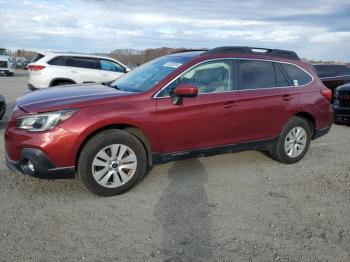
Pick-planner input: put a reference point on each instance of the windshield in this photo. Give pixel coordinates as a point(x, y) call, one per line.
point(146, 76)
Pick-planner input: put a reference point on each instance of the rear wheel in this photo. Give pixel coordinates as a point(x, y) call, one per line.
point(10, 73)
point(112, 162)
point(293, 141)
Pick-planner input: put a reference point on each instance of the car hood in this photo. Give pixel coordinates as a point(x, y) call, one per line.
point(345, 87)
point(69, 96)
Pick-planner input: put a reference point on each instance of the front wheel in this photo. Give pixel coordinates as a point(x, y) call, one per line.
point(293, 142)
point(112, 162)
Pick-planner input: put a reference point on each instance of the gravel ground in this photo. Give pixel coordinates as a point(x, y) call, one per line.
point(234, 207)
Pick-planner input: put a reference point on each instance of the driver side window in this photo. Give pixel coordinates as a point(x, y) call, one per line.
point(209, 77)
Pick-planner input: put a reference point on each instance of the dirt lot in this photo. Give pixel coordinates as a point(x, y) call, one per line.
point(235, 207)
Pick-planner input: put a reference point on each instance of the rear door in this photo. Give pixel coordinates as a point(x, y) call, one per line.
point(208, 120)
point(110, 70)
point(267, 99)
point(83, 69)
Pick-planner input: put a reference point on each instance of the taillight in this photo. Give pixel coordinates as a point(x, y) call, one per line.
point(327, 93)
point(35, 67)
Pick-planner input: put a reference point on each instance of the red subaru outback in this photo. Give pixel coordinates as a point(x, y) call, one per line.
point(186, 104)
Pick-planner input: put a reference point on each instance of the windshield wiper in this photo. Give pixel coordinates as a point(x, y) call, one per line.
point(110, 85)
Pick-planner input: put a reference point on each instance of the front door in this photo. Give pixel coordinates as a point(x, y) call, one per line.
point(208, 120)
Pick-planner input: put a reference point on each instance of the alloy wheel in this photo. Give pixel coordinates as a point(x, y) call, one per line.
point(114, 165)
point(295, 142)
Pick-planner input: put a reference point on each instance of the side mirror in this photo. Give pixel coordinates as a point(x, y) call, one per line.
point(127, 70)
point(184, 90)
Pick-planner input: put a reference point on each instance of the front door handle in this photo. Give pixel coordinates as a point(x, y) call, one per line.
point(287, 97)
point(230, 104)
point(74, 71)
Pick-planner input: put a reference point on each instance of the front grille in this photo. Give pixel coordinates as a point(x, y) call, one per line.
point(3, 64)
point(344, 98)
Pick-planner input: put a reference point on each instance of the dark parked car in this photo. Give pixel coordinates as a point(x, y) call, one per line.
point(341, 104)
point(188, 104)
point(2, 106)
point(333, 75)
point(22, 64)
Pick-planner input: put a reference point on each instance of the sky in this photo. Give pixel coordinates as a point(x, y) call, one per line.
point(314, 29)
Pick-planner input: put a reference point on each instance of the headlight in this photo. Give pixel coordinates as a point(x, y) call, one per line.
point(43, 121)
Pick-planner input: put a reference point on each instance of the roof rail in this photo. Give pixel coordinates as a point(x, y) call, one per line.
point(187, 50)
point(253, 50)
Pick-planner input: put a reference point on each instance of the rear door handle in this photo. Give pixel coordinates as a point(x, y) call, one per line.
point(287, 97)
point(74, 71)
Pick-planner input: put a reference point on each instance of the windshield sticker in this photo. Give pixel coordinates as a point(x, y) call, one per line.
point(296, 82)
point(172, 64)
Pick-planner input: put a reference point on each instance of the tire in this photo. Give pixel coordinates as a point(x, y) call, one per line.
point(10, 73)
point(300, 146)
point(119, 182)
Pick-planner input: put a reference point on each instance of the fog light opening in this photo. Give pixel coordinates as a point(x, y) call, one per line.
point(28, 166)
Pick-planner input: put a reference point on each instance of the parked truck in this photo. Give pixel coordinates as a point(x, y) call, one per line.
point(7, 64)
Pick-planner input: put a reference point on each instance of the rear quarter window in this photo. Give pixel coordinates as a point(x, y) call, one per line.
point(298, 76)
point(37, 57)
point(58, 61)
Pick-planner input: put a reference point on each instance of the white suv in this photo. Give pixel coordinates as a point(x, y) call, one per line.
point(52, 69)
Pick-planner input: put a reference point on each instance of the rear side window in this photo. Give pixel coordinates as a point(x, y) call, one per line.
point(83, 62)
point(299, 77)
point(111, 66)
point(257, 74)
point(37, 57)
point(326, 70)
point(343, 70)
point(58, 61)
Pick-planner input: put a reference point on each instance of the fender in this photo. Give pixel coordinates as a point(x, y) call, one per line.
point(62, 79)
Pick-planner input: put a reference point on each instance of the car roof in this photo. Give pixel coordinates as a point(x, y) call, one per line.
point(329, 65)
point(242, 52)
point(51, 53)
point(47, 55)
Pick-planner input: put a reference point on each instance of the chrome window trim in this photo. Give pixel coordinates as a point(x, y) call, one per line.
point(337, 76)
point(235, 58)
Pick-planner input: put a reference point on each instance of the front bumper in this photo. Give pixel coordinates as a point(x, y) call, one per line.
point(41, 166)
point(320, 132)
point(31, 87)
point(341, 114)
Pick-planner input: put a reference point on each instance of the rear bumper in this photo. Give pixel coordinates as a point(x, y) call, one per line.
point(42, 166)
point(341, 114)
